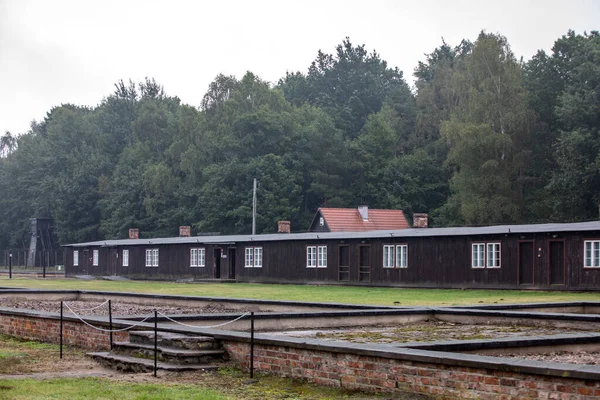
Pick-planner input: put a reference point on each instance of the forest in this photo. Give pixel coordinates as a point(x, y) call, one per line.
point(481, 138)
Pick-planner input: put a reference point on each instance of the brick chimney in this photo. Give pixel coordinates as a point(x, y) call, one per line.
point(283, 227)
point(420, 220)
point(364, 212)
point(134, 233)
point(185, 231)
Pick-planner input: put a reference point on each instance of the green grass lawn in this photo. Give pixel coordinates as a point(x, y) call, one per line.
point(92, 388)
point(329, 294)
point(30, 360)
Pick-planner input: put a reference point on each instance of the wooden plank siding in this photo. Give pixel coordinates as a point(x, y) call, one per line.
point(433, 262)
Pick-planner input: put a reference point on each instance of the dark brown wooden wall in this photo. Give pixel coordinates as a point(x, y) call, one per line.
point(432, 262)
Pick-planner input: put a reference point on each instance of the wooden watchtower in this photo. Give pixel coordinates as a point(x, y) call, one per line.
point(41, 241)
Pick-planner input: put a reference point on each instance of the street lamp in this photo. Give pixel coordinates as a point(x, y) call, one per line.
point(10, 264)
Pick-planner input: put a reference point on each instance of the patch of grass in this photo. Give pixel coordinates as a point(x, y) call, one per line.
point(94, 388)
point(21, 356)
point(312, 293)
point(264, 387)
point(26, 344)
point(10, 354)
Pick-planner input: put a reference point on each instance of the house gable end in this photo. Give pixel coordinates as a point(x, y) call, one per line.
point(315, 226)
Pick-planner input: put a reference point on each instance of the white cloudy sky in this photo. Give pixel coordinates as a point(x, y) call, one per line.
point(59, 51)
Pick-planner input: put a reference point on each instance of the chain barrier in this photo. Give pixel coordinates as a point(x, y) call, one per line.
point(147, 318)
point(88, 309)
point(206, 327)
point(109, 330)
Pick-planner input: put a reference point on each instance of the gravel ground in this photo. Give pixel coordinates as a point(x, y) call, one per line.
point(581, 357)
point(426, 332)
point(438, 331)
point(118, 309)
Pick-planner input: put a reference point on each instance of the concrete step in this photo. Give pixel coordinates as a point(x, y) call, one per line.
point(133, 364)
point(173, 355)
point(179, 340)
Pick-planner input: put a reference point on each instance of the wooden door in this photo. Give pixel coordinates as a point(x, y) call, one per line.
point(364, 263)
point(526, 262)
point(344, 262)
point(217, 263)
point(113, 262)
point(556, 262)
point(85, 262)
point(231, 256)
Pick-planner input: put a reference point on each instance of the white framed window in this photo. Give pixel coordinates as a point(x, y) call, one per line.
point(151, 257)
point(249, 259)
point(75, 258)
point(486, 255)
point(493, 255)
point(402, 256)
point(395, 256)
point(125, 258)
point(148, 257)
point(591, 254)
point(388, 256)
point(253, 257)
point(478, 255)
point(198, 257)
point(322, 257)
point(258, 258)
point(321, 221)
point(311, 256)
point(95, 258)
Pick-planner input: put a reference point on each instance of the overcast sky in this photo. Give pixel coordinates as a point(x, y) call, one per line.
point(54, 52)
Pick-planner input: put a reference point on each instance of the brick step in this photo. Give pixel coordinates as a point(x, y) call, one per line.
point(174, 355)
point(133, 364)
point(179, 340)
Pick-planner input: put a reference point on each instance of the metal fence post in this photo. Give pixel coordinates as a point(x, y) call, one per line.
point(61, 330)
point(252, 345)
point(110, 324)
point(155, 341)
point(10, 265)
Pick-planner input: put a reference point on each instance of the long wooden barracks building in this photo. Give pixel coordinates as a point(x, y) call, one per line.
point(564, 256)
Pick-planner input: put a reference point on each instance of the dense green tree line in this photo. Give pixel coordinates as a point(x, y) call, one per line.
point(482, 139)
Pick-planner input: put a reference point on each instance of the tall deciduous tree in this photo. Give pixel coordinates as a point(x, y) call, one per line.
point(8, 143)
point(349, 86)
point(227, 195)
point(575, 182)
point(486, 133)
point(436, 95)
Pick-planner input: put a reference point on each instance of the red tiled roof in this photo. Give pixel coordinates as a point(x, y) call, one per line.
point(349, 220)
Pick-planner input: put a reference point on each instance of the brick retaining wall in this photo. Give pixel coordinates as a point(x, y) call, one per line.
point(379, 374)
point(47, 329)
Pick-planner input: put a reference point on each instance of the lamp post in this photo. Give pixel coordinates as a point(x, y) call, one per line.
point(10, 264)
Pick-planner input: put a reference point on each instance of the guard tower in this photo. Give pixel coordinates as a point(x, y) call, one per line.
point(41, 242)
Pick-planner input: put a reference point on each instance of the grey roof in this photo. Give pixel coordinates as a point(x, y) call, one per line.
point(407, 233)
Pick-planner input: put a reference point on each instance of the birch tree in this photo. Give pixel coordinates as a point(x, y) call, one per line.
point(486, 134)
